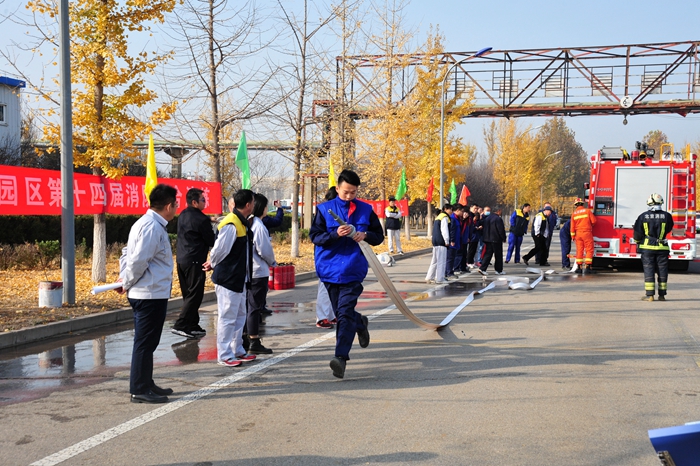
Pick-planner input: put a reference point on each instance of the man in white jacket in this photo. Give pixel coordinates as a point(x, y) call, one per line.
point(146, 274)
point(263, 259)
point(441, 240)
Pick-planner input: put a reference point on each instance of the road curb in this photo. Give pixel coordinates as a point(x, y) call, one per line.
point(66, 327)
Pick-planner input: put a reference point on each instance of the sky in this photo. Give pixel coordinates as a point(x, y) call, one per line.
point(504, 24)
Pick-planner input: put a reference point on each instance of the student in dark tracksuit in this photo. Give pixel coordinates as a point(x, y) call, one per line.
point(650, 232)
point(565, 239)
point(340, 264)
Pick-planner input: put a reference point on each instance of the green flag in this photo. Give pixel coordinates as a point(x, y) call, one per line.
point(242, 162)
point(401, 190)
point(453, 192)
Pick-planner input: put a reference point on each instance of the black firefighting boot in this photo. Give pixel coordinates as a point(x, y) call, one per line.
point(256, 347)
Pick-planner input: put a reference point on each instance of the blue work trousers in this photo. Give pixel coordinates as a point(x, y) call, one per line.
point(514, 243)
point(565, 240)
point(343, 300)
point(149, 317)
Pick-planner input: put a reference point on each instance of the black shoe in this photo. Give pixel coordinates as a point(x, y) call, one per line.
point(546, 264)
point(363, 335)
point(266, 311)
point(184, 333)
point(246, 342)
point(662, 297)
point(149, 397)
point(161, 391)
point(527, 263)
point(256, 347)
point(338, 366)
point(198, 331)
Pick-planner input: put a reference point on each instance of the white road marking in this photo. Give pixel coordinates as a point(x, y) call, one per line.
point(127, 426)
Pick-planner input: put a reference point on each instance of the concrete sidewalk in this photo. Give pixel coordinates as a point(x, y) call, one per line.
point(572, 373)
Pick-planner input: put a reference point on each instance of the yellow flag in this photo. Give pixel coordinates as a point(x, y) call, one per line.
point(331, 173)
point(151, 174)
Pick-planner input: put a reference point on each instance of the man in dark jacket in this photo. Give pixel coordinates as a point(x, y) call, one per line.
point(519, 221)
point(565, 240)
point(340, 263)
point(540, 230)
point(273, 222)
point(194, 238)
point(494, 235)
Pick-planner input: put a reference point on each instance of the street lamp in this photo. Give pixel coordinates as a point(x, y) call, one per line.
point(442, 117)
point(542, 185)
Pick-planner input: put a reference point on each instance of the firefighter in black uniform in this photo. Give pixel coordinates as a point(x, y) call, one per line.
point(650, 232)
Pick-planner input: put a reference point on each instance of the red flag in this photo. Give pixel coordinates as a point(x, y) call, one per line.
point(464, 195)
point(429, 197)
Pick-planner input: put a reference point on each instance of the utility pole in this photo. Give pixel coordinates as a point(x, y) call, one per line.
point(67, 211)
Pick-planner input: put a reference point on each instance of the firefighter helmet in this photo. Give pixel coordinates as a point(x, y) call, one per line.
point(578, 202)
point(655, 199)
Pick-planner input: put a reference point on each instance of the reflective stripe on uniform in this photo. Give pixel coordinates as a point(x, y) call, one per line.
point(649, 286)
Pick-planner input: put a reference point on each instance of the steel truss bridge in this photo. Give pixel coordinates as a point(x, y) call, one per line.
point(570, 81)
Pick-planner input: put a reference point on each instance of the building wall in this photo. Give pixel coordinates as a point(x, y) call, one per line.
point(10, 128)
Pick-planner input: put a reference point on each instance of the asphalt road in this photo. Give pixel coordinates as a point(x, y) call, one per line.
point(573, 372)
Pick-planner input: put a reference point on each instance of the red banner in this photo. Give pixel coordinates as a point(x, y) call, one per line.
point(33, 191)
point(379, 206)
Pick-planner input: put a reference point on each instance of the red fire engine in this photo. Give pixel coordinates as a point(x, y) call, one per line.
point(619, 188)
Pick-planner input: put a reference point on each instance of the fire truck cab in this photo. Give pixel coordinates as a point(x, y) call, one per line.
point(620, 185)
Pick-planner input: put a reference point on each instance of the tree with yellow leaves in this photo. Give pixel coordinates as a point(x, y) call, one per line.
point(407, 133)
point(109, 88)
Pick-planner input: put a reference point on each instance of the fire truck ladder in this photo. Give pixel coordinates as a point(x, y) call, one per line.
point(680, 195)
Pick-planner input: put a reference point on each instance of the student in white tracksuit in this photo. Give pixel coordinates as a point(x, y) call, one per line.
point(441, 239)
point(231, 260)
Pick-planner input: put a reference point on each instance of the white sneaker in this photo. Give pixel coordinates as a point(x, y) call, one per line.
point(500, 273)
point(482, 272)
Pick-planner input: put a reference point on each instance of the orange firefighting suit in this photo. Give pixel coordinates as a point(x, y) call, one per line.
point(582, 221)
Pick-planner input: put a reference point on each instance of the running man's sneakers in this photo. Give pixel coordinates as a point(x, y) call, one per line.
point(198, 331)
point(363, 335)
point(338, 367)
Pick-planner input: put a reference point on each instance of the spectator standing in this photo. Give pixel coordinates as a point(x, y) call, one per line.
point(325, 317)
point(340, 263)
point(565, 239)
point(194, 238)
point(146, 274)
point(474, 218)
point(494, 235)
point(464, 235)
point(540, 230)
point(273, 222)
point(519, 221)
point(455, 240)
point(263, 259)
point(440, 240)
point(393, 226)
point(231, 259)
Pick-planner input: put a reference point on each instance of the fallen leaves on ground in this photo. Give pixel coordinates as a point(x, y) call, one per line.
point(19, 299)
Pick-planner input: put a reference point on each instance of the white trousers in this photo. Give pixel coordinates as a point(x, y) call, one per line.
point(436, 271)
point(394, 238)
point(231, 307)
point(324, 310)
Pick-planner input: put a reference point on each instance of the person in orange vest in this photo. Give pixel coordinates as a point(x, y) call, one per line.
point(582, 221)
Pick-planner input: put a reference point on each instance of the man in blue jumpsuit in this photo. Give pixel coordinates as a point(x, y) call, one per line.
point(340, 264)
point(565, 239)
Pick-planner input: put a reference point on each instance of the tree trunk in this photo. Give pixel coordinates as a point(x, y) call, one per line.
point(429, 220)
point(99, 235)
point(213, 101)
